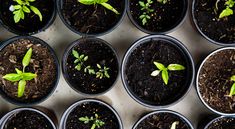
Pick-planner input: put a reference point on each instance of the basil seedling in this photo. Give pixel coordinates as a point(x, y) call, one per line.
point(228, 10)
point(164, 70)
point(23, 6)
point(174, 124)
point(96, 122)
point(21, 76)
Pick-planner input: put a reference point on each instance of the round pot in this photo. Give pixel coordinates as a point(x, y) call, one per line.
point(138, 24)
point(53, 57)
point(78, 30)
point(177, 117)
point(10, 115)
point(98, 52)
point(65, 116)
point(145, 65)
point(218, 121)
point(219, 57)
point(216, 27)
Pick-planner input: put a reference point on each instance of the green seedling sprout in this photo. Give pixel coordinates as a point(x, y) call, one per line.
point(228, 10)
point(162, 1)
point(21, 76)
point(145, 7)
point(232, 90)
point(174, 124)
point(164, 70)
point(96, 122)
point(101, 2)
point(79, 61)
point(22, 7)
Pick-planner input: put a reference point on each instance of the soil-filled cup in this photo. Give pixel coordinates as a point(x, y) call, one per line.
point(163, 119)
point(222, 122)
point(157, 16)
point(91, 17)
point(27, 17)
point(89, 113)
point(29, 70)
point(157, 71)
point(24, 118)
point(90, 66)
point(215, 81)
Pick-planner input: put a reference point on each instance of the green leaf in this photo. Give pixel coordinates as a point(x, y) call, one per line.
point(109, 7)
point(75, 53)
point(21, 88)
point(141, 3)
point(93, 126)
point(226, 12)
point(159, 65)
point(28, 76)
point(26, 9)
point(142, 16)
point(174, 67)
point(18, 71)
point(21, 13)
point(17, 16)
point(98, 65)
point(232, 90)
point(91, 71)
point(155, 73)
point(31, 0)
point(144, 21)
point(106, 74)
point(78, 67)
point(76, 61)
point(173, 126)
point(17, 7)
point(81, 57)
point(87, 2)
point(232, 78)
point(84, 119)
point(13, 77)
point(165, 76)
point(27, 58)
point(85, 58)
point(101, 1)
point(20, 2)
point(36, 11)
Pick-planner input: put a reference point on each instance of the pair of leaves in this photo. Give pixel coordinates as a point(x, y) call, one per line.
point(174, 124)
point(103, 72)
point(101, 2)
point(96, 122)
point(164, 70)
point(232, 90)
point(227, 11)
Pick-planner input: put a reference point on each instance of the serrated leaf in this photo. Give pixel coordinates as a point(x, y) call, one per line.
point(21, 88)
point(232, 90)
point(36, 11)
point(13, 77)
point(75, 53)
point(160, 66)
point(27, 57)
point(26, 9)
point(226, 12)
point(175, 67)
point(87, 2)
point(165, 76)
point(28, 76)
point(173, 126)
point(109, 7)
point(155, 73)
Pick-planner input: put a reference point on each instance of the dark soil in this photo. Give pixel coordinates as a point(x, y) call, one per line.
point(31, 22)
point(162, 121)
point(151, 89)
point(27, 120)
point(98, 53)
point(223, 123)
point(220, 30)
point(165, 16)
point(89, 109)
point(91, 19)
point(42, 63)
point(214, 81)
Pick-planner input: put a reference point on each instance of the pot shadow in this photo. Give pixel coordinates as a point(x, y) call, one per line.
point(4, 107)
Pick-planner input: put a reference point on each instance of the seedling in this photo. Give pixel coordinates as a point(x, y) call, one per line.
point(79, 61)
point(164, 70)
point(232, 90)
point(173, 126)
point(162, 1)
point(101, 2)
point(96, 122)
point(145, 7)
point(22, 7)
point(228, 10)
point(21, 76)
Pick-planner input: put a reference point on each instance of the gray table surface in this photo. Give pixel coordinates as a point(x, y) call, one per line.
point(58, 36)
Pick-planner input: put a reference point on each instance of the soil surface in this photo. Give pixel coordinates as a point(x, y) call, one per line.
point(214, 81)
point(42, 63)
point(223, 123)
point(91, 19)
point(98, 53)
point(31, 22)
point(162, 121)
point(89, 109)
point(151, 89)
point(28, 120)
point(163, 18)
point(207, 18)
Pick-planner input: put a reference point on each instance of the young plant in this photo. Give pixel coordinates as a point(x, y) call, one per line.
point(162, 1)
point(101, 2)
point(103, 72)
point(228, 10)
point(145, 7)
point(96, 122)
point(232, 90)
point(164, 70)
point(174, 124)
point(21, 76)
point(22, 7)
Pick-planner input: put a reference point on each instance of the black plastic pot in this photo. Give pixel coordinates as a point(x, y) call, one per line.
point(60, 7)
point(12, 113)
point(65, 115)
point(68, 52)
point(165, 31)
point(7, 25)
point(183, 118)
point(197, 82)
point(206, 123)
point(13, 101)
point(189, 64)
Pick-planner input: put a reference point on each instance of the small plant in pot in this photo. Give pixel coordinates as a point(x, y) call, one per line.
point(157, 71)
point(163, 119)
point(91, 17)
point(18, 15)
point(157, 16)
point(215, 81)
point(90, 114)
point(90, 66)
point(29, 70)
point(215, 20)
point(27, 118)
